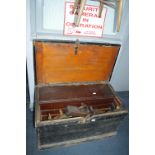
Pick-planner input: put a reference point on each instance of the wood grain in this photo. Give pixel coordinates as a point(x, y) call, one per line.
point(74, 92)
point(57, 62)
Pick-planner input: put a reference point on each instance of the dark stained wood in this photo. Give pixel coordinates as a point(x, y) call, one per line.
point(79, 92)
point(75, 141)
point(58, 105)
point(59, 133)
point(57, 62)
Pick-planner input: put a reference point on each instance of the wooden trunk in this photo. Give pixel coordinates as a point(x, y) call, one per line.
point(75, 75)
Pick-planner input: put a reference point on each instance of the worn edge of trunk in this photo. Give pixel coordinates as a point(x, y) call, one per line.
point(71, 83)
point(116, 96)
point(78, 119)
point(37, 107)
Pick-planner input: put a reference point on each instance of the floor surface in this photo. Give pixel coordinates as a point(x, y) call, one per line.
point(116, 145)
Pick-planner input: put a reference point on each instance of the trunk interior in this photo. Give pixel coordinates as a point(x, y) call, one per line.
point(54, 100)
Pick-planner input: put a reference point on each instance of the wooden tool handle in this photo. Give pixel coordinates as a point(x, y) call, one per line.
point(75, 5)
point(119, 16)
point(101, 8)
point(82, 4)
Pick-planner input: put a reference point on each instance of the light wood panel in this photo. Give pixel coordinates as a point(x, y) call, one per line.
point(57, 62)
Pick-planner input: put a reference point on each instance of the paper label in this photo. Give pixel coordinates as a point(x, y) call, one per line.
point(90, 24)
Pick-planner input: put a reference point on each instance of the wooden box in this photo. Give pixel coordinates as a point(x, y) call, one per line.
point(74, 101)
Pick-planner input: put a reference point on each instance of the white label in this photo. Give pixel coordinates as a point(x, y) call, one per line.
point(90, 23)
point(93, 120)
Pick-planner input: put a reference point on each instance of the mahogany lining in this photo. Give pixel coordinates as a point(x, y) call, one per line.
point(53, 98)
point(74, 92)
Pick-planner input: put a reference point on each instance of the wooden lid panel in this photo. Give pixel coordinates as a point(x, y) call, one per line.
point(58, 62)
